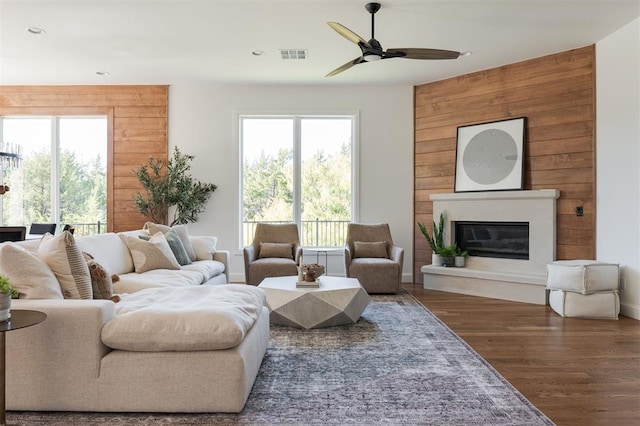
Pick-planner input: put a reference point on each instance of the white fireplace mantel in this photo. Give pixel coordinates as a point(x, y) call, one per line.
point(510, 279)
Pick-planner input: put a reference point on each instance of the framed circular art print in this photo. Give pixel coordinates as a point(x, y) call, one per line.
point(490, 156)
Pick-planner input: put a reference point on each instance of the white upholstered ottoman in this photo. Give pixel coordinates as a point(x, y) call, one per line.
point(604, 305)
point(584, 288)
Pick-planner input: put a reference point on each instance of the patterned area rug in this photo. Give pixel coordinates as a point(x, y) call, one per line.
point(397, 365)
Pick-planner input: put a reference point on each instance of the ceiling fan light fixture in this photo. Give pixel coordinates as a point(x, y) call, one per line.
point(371, 57)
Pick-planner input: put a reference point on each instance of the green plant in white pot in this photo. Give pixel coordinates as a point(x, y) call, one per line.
point(448, 255)
point(461, 257)
point(6, 291)
point(436, 240)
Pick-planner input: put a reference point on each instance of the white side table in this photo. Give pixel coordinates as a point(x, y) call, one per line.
point(322, 250)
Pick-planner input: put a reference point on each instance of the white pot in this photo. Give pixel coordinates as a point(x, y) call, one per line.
point(436, 260)
point(5, 306)
point(459, 261)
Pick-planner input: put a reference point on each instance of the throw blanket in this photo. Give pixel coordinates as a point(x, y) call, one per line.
point(184, 318)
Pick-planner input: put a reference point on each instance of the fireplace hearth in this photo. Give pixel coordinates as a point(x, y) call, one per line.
point(511, 263)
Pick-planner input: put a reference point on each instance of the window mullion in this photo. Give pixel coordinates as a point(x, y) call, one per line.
point(297, 172)
point(55, 169)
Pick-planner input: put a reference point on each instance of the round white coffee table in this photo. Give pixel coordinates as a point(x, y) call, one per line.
point(336, 301)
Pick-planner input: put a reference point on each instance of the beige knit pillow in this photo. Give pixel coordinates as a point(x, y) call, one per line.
point(370, 249)
point(65, 259)
point(282, 250)
point(180, 230)
point(152, 254)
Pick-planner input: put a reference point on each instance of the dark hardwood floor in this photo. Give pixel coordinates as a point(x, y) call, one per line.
point(576, 371)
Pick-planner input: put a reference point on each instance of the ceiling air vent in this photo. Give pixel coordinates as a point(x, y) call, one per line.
point(293, 53)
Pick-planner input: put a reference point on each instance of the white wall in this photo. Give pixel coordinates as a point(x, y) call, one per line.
point(618, 158)
point(201, 123)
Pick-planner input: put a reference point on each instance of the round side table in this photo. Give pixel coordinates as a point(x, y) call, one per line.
point(19, 319)
point(322, 250)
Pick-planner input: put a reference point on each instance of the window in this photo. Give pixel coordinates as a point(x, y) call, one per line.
point(299, 169)
point(62, 175)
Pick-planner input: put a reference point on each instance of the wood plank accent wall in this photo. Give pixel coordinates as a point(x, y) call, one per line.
point(137, 129)
point(557, 95)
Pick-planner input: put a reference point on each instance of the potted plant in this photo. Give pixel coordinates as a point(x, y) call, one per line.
point(168, 186)
point(6, 291)
point(461, 257)
point(448, 254)
point(436, 240)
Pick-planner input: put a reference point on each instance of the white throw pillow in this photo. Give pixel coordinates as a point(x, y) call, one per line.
point(28, 275)
point(152, 254)
point(180, 230)
point(65, 259)
point(204, 246)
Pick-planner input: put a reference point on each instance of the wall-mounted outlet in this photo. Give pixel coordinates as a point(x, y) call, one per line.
point(579, 211)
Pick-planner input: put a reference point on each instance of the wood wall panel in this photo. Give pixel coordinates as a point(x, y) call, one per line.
point(137, 118)
point(556, 94)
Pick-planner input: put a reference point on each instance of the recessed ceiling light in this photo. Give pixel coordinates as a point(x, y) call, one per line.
point(35, 30)
point(103, 73)
point(466, 53)
point(257, 52)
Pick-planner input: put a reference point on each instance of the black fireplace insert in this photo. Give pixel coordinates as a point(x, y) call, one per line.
point(508, 240)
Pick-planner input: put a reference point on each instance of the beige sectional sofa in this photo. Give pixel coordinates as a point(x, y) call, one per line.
point(173, 343)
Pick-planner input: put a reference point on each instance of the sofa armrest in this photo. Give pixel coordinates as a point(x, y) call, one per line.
point(347, 259)
point(65, 348)
point(223, 257)
point(396, 254)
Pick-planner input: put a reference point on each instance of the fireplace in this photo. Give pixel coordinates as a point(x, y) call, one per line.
point(523, 224)
point(508, 240)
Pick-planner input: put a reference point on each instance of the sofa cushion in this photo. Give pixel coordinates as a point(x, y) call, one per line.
point(376, 249)
point(194, 274)
point(204, 246)
point(152, 254)
point(109, 250)
point(184, 319)
point(65, 259)
point(180, 230)
point(176, 246)
point(130, 283)
point(28, 275)
point(280, 250)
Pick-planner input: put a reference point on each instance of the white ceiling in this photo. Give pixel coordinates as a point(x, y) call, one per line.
point(172, 41)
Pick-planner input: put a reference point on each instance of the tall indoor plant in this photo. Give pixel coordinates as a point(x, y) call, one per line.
point(436, 240)
point(170, 186)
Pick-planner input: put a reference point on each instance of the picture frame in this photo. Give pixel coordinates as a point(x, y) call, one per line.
point(490, 156)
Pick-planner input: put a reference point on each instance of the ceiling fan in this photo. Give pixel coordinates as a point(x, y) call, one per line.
point(372, 50)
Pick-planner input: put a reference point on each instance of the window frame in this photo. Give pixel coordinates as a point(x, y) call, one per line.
point(297, 116)
point(54, 117)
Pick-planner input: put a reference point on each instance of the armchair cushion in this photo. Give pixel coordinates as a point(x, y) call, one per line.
point(280, 250)
point(376, 249)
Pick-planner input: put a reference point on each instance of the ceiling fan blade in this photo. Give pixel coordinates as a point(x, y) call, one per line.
point(348, 34)
point(346, 66)
point(421, 53)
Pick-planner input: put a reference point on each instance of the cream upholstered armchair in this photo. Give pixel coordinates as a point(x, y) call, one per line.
point(275, 252)
point(372, 258)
